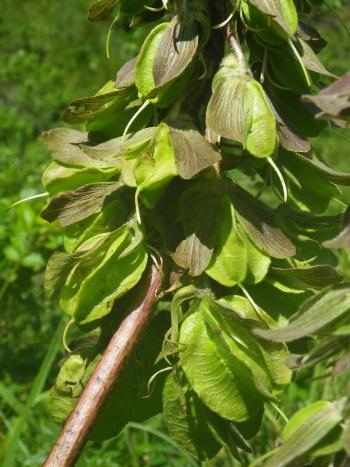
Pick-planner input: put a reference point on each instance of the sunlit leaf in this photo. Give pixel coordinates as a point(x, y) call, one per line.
point(73, 206)
point(306, 428)
point(156, 167)
point(216, 375)
point(260, 224)
point(92, 288)
point(176, 50)
point(235, 259)
point(85, 108)
point(187, 420)
point(283, 12)
point(114, 213)
point(126, 74)
point(58, 179)
point(315, 277)
point(313, 315)
point(193, 153)
point(273, 354)
point(144, 77)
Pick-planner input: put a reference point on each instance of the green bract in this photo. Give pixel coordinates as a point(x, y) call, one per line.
point(272, 19)
point(187, 420)
point(199, 159)
point(166, 53)
point(87, 293)
point(236, 259)
point(222, 379)
point(239, 109)
point(156, 167)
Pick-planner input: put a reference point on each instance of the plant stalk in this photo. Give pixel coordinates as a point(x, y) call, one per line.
point(234, 44)
point(75, 431)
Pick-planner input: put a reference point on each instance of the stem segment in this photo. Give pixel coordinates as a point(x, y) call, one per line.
point(75, 431)
point(234, 44)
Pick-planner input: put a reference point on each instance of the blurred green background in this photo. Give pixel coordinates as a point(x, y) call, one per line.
point(50, 54)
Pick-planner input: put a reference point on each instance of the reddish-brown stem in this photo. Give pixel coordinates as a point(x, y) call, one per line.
point(75, 431)
point(234, 44)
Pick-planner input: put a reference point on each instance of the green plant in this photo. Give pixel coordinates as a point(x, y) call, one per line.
point(198, 160)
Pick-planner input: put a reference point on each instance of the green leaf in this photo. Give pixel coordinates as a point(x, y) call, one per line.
point(126, 74)
point(305, 429)
point(85, 257)
point(290, 138)
point(101, 9)
point(229, 111)
point(273, 354)
point(311, 60)
point(315, 195)
point(144, 77)
point(76, 205)
point(198, 216)
point(302, 416)
point(234, 341)
point(334, 100)
point(241, 306)
point(311, 36)
point(112, 216)
point(342, 240)
point(122, 147)
point(287, 70)
point(188, 420)
point(330, 444)
point(176, 50)
point(219, 378)
point(259, 222)
point(315, 277)
point(57, 270)
point(235, 259)
point(57, 178)
point(64, 146)
point(339, 178)
point(283, 12)
point(107, 98)
point(73, 148)
point(316, 313)
point(297, 114)
point(156, 167)
point(92, 288)
point(193, 153)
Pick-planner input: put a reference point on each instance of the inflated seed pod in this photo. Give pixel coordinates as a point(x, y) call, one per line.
point(239, 109)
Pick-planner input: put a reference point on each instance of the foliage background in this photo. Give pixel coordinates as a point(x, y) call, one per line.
point(51, 54)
